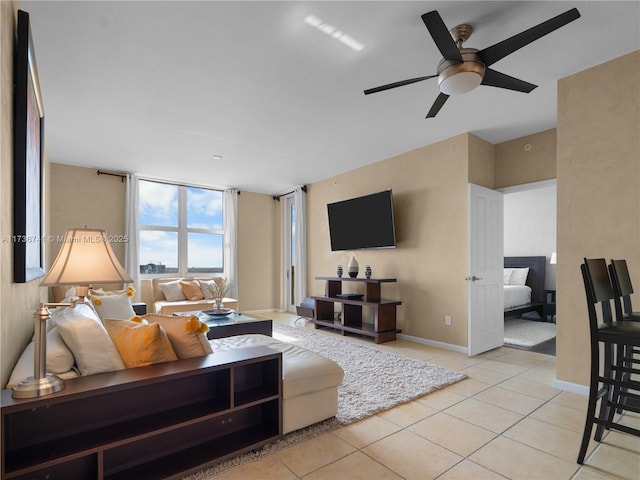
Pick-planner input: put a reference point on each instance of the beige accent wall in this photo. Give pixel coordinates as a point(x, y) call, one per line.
point(259, 252)
point(527, 159)
point(18, 301)
point(430, 201)
point(598, 193)
point(81, 198)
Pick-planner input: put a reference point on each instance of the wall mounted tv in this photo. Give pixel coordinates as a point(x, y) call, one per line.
point(362, 222)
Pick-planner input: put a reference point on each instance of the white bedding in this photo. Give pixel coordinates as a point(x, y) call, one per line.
point(515, 295)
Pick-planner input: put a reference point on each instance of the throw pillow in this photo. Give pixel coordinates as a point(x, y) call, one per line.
point(113, 306)
point(187, 334)
point(192, 289)
point(207, 287)
point(172, 291)
point(140, 344)
point(88, 340)
point(519, 276)
point(59, 359)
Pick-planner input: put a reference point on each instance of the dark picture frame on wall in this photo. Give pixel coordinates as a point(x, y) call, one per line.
point(28, 144)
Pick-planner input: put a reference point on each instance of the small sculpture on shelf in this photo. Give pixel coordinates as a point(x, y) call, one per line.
point(353, 267)
point(367, 271)
point(340, 271)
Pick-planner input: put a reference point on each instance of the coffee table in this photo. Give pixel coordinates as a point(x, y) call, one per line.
point(235, 323)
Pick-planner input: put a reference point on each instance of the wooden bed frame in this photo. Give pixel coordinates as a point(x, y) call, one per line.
point(535, 280)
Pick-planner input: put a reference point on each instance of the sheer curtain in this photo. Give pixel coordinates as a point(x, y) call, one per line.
point(300, 287)
point(230, 215)
point(131, 263)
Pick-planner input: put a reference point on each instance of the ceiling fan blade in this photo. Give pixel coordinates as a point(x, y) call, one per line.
point(500, 80)
point(437, 105)
point(492, 54)
point(397, 84)
point(441, 36)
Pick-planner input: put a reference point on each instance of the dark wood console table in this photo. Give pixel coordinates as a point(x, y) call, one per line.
point(159, 421)
point(383, 328)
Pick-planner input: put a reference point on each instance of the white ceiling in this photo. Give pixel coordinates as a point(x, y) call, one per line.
point(158, 88)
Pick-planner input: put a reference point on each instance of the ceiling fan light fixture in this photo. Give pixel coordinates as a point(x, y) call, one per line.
point(455, 78)
point(459, 83)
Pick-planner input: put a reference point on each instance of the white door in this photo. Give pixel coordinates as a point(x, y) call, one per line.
point(486, 263)
point(289, 252)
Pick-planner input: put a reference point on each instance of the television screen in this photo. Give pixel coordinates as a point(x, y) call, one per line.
point(363, 222)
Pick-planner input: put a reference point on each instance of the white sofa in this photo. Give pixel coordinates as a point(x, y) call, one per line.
point(167, 307)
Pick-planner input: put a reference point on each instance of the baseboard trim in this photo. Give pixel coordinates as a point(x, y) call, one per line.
point(571, 387)
point(433, 343)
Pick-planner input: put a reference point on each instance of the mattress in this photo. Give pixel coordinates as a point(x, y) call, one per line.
point(516, 295)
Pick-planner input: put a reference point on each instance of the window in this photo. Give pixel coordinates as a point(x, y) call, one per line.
point(181, 229)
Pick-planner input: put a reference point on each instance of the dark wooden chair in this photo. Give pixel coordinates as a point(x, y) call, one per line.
point(623, 289)
point(615, 388)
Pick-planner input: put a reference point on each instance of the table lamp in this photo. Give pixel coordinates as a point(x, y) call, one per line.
point(85, 259)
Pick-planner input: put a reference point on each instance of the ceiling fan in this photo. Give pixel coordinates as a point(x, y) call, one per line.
point(463, 69)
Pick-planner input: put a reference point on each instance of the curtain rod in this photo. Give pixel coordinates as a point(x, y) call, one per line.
point(166, 182)
point(121, 175)
point(277, 197)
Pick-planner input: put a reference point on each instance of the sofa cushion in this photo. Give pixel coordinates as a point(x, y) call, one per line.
point(167, 308)
point(116, 305)
point(88, 340)
point(187, 334)
point(172, 291)
point(140, 344)
point(59, 359)
point(191, 289)
point(303, 371)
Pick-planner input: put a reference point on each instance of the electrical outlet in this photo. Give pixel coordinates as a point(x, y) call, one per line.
point(447, 319)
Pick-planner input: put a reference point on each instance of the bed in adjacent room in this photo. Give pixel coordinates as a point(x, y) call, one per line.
point(523, 285)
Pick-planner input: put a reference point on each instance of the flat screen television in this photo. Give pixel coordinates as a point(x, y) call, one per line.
point(362, 222)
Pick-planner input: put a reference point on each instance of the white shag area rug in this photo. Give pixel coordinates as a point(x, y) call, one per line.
point(374, 381)
point(527, 333)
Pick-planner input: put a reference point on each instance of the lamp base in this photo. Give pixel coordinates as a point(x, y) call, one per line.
point(37, 387)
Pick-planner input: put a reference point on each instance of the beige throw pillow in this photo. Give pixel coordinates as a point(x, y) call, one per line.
point(140, 344)
point(187, 334)
point(192, 289)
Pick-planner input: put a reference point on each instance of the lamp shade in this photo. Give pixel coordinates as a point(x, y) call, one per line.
point(86, 258)
point(553, 259)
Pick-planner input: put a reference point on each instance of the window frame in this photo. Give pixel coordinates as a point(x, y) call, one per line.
point(183, 232)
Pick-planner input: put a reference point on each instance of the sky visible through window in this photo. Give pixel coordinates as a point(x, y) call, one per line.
point(159, 220)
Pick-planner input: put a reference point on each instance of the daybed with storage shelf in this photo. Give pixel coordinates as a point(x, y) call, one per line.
point(164, 306)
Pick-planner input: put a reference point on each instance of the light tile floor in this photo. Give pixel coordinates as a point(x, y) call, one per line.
point(504, 421)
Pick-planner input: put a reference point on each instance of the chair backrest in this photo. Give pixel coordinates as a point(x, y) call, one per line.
point(598, 289)
point(622, 287)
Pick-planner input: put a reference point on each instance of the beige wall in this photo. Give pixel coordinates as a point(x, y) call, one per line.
point(17, 301)
point(430, 202)
point(598, 193)
point(526, 159)
point(81, 198)
point(259, 252)
point(102, 205)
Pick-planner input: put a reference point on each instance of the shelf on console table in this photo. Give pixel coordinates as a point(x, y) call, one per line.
point(383, 328)
point(159, 421)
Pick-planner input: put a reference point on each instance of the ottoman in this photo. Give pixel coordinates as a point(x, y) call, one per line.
point(309, 380)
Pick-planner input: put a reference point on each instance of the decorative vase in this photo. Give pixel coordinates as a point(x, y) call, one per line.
point(353, 267)
point(367, 271)
point(218, 304)
point(340, 271)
